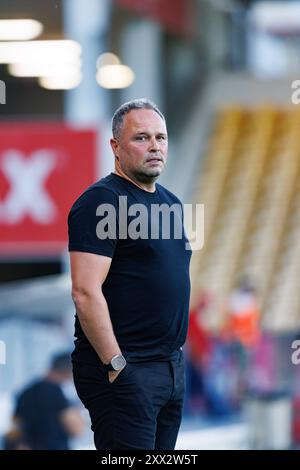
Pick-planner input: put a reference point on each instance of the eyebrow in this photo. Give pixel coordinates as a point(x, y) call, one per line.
point(147, 133)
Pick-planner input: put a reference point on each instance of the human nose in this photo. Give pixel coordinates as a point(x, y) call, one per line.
point(154, 144)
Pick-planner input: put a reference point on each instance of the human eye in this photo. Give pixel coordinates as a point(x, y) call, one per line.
point(141, 138)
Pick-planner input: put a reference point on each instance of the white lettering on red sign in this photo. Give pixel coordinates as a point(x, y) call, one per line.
point(27, 195)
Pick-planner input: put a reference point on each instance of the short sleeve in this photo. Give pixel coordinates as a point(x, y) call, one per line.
point(60, 402)
point(47, 396)
point(93, 222)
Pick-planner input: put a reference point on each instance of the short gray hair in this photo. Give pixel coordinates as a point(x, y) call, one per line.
point(140, 103)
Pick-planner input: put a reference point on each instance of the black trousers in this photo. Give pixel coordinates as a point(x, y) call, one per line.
point(141, 409)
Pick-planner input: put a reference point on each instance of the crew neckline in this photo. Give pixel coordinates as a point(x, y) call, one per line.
point(150, 193)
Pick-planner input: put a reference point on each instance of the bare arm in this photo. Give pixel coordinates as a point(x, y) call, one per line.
point(72, 421)
point(88, 274)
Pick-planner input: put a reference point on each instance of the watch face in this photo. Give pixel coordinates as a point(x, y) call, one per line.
point(118, 362)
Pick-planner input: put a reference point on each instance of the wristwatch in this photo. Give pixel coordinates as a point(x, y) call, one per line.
point(117, 362)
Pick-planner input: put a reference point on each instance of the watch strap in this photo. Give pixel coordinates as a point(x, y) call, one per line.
point(108, 367)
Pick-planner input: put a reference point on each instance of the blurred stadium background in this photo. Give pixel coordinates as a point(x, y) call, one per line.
point(225, 74)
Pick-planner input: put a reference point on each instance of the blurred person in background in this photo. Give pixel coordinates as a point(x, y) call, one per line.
point(44, 418)
point(208, 372)
point(241, 329)
point(198, 349)
point(243, 314)
point(131, 294)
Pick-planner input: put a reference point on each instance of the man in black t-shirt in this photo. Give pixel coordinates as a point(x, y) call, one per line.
point(130, 285)
point(44, 417)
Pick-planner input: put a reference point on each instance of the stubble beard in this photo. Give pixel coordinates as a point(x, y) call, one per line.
point(147, 175)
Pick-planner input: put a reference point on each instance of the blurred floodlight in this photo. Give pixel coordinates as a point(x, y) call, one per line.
point(60, 82)
point(115, 76)
point(278, 17)
point(31, 51)
point(108, 58)
point(20, 30)
point(43, 69)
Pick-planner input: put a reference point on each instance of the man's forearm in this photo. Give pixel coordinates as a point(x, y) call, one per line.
point(93, 314)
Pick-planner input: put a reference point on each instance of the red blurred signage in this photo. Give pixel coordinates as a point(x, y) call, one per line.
point(175, 15)
point(43, 168)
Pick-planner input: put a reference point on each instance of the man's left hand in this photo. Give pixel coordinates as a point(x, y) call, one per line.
point(113, 374)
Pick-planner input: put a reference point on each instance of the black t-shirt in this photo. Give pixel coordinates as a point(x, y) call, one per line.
point(39, 409)
point(147, 287)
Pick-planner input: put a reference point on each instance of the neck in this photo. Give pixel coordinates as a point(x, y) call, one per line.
point(147, 187)
point(53, 376)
